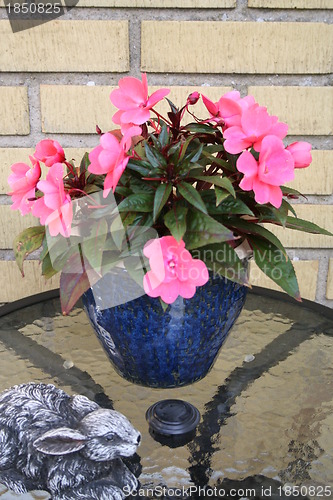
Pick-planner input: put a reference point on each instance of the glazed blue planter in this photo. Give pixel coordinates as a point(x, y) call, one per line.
point(171, 349)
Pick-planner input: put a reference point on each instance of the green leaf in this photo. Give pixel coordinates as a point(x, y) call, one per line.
point(203, 230)
point(91, 188)
point(173, 107)
point(139, 166)
point(75, 279)
point(139, 186)
point(155, 158)
point(45, 249)
point(288, 207)
point(93, 245)
point(222, 182)
point(27, 242)
point(229, 206)
point(47, 269)
point(61, 249)
point(192, 196)
point(136, 268)
point(272, 214)
point(163, 304)
point(222, 259)
point(183, 147)
point(175, 221)
point(164, 135)
point(220, 195)
point(306, 226)
point(194, 156)
point(251, 228)
point(137, 203)
point(174, 152)
point(218, 161)
point(287, 191)
point(161, 197)
point(117, 230)
point(274, 264)
point(85, 162)
point(214, 148)
point(200, 128)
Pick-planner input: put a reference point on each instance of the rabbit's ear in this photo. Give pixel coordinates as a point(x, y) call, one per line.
point(60, 441)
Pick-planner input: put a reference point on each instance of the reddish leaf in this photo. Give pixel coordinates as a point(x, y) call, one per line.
point(73, 284)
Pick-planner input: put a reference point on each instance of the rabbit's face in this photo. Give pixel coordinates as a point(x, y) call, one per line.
point(108, 435)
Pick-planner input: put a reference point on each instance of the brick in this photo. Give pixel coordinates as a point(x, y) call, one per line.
point(183, 4)
point(329, 290)
point(307, 110)
point(237, 47)
point(306, 272)
point(8, 156)
point(291, 4)
point(318, 177)
point(14, 110)
point(66, 46)
point(14, 287)
point(11, 224)
point(76, 109)
point(321, 215)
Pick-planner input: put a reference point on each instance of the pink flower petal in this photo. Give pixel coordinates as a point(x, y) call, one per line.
point(301, 152)
point(109, 141)
point(144, 84)
point(156, 97)
point(41, 211)
point(255, 121)
point(247, 183)
point(228, 107)
point(264, 193)
point(122, 101)
point(117, 117)
point(210, 105)
point(134, 88)
point(186, 289)
point(236, 140)
point(137, 116)
point(276, 165)
point(247, 164)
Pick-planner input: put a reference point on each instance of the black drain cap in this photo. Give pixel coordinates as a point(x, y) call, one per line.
point(172, 417)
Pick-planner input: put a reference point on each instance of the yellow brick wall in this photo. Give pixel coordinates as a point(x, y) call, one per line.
point(55, 81)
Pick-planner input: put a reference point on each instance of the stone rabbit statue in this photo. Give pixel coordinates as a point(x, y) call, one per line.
point(67, 445)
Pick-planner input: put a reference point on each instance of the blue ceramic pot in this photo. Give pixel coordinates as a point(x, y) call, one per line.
point(171, 349)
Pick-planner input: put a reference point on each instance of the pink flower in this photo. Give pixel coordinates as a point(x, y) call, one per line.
point(255, 124)
point(133, 102)
point(49, 152)
point(228, 110)
point(225, 112)
point(243, 102)
point(301, 152)
point(55, 208)
point(274, 168)
point(23, 182)
point(110, 157)
point(173, 270)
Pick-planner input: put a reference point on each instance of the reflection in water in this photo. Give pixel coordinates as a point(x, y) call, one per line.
point(264, 423)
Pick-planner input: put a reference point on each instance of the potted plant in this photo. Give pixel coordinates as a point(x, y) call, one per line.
point(177, 203)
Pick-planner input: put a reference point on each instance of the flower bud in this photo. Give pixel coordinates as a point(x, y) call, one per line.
point(193, 98)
